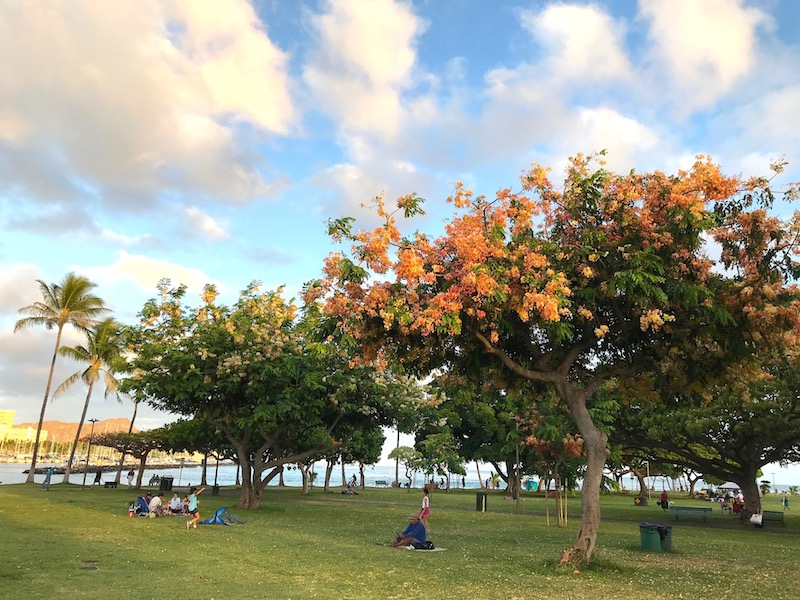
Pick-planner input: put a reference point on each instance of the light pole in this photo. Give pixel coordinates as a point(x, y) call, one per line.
point(88, 451)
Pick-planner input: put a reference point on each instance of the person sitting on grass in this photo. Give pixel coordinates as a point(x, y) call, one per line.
point(176, 505)
point(156, 504)
point(415, 532)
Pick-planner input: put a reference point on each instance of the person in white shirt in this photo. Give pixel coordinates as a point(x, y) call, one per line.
point(157, 504)
point(176, 505)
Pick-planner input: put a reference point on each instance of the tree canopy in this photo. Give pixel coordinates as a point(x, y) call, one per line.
point(604, 276)
point(269, 380)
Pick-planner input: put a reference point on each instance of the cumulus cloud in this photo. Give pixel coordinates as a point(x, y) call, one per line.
point(364, 61)
point(146, 272)
point(581, 42)
point(630, 144)
point(204, 223)
point(354, 186)
point(133, 98)
point(704, 48)
point(18, 287)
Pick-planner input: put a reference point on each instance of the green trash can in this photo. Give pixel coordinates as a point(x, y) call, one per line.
point(480, 501)
point(650, 536)
point(215, 490)
point(165, 484)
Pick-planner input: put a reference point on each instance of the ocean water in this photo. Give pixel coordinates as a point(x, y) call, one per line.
point(226, 475)
point(13, 473)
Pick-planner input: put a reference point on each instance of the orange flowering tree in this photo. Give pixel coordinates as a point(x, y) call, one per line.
point(566, 286)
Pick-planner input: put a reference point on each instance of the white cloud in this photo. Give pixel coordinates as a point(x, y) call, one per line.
point(364, 62)
point(628, 141)
point(773, 116)
point(126, 240)
point(18, 287)
point(704, 48)
point(133, 97)
point(145, 272)
point(204, 223)
point(581, 41)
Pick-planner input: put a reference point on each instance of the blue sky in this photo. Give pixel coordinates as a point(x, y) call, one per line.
point(210, 142)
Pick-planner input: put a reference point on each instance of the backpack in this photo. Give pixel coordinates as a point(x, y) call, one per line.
point(423, 545)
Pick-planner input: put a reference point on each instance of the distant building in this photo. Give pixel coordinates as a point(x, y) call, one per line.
point(7, 418)
point(9, 433)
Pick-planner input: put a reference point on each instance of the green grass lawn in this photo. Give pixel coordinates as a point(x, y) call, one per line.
point(73, 543)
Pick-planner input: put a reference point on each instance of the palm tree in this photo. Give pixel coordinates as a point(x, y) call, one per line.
point(102, 354)
point(69, 302)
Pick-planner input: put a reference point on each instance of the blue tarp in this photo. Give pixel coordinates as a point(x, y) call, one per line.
point(222, 517)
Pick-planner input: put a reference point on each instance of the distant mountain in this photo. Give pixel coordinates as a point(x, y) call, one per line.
point(58, 431)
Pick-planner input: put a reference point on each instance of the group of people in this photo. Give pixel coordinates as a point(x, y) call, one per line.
point(733, 503)
point(188, 505)
point(176, 505)
point(417, 530)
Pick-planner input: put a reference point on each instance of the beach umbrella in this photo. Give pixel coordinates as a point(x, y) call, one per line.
point(729, 486)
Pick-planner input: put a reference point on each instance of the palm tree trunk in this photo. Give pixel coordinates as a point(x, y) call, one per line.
point(68, 469)
point(32, 471)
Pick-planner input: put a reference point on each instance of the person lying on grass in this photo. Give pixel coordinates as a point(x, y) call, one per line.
point(415, 532)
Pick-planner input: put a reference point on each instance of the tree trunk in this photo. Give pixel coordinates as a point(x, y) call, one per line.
point(344, 475)
point(546, 503)
point(32, 471)
point(329, 465)
point(122, 458)
point(68, 469)
point(250, 496)
point(642, 483)
point(361, 474)
point(204, 471)
point(305, 472)
point(142, 464)
point(480, 481)
point(752, 499)
point(596, 450)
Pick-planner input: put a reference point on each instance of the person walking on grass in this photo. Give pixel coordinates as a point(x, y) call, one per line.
point(426, 508)
point(193, 504)
point(47, 477)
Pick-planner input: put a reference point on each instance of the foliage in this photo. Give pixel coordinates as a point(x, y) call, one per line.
point(751, 420)
point(570, 287)
point(103, 355)
point(139, 445)
point(70, 302)
point(410, 458)
point(439, 455)
point(271, 383)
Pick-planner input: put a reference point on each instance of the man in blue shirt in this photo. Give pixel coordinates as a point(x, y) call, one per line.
point(415, 532)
